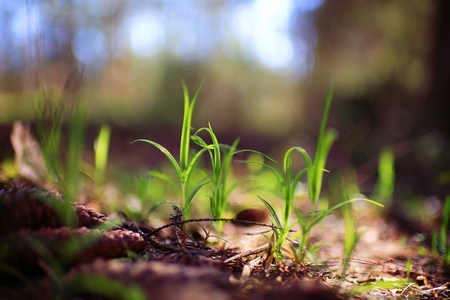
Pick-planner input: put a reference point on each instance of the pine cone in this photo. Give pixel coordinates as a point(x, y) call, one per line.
point(33, 208)
point(67, 246)
point(28, 208)
point(112, 244)
point(87, 217)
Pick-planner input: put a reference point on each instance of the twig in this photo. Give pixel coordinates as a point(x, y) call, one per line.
point(211, 220)
point(256, 250)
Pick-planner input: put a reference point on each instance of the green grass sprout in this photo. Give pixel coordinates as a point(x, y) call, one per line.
point(220, 169)
point(351, 237)
point(49, 126)
point(184, 168)
point(439, 243)
point(386, 176)
point(314, 170)
point(71, 180)
point(443, 238)
point(101, 149)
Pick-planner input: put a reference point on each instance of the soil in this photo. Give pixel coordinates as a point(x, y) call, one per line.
point(94, 257)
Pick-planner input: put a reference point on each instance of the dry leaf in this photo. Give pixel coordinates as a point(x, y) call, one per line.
point(28, 155)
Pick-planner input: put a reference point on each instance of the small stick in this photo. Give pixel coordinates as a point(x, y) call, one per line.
point(212, 220)
point(256, 250)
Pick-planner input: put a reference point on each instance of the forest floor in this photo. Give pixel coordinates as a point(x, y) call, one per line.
point(95, 258)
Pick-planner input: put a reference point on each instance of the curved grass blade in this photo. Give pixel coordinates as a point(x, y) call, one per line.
point(165, 152)
point(154, 207)
point(165, 178)
point(194, 159)
point(191, 196)
point(320, 160)
point(327, 212)
point(185, 132)
point(272, 211)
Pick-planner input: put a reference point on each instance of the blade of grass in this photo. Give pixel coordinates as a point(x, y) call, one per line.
point(101, 149)
point(444, 226)
point(165, 178)
point(197, 188)
point(185, 134)
point(272, 212)
point(164, 151)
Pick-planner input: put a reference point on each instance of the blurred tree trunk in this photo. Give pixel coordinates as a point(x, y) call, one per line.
point(439, 94)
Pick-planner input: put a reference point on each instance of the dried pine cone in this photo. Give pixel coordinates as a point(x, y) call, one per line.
point(87, 217)
point(67, 246)
point(28, 208)
point(33, 208)
point(113, 244)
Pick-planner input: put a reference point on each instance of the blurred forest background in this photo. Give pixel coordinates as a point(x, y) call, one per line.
point(268, 66)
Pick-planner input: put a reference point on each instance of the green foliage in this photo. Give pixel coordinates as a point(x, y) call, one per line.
point(383, 285)
point(289, 183)
point(221, 157)
point(314, 170)
point(439, 241)
point(351, 235)
point(77, 123)
point(49, 128)
point(184, 168)
point(101, 148)
point(386, 176)
point(105, 287)
point(220, 168)
point(66, 174)
point(408, 267)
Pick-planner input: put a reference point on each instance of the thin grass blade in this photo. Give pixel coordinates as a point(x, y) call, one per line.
point(272, 211)
point(165, 152)
point(191, 196)
point(165, 178)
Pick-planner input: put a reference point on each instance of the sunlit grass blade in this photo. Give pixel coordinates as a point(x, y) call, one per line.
point(386, 175)
point(351, 237)
point(186, 128)
point(327, 212)
point(444, 226)
point(165, 178)
point(153, 208)
point(309, 168)
point(101, 149)
point(192, 194)
point(272, 212)
point(320, 159)
point(192, 162)
point(165, 152)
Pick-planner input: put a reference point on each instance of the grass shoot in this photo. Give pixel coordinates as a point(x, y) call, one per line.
point(184, 167)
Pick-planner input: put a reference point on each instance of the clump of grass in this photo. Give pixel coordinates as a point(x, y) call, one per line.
point(65, 175)
point(439, 241)
point(220, 168)
point(184, 167)
point(221, 158)
point(314, 171)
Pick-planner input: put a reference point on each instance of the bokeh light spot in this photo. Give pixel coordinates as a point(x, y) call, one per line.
point(146, 34)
